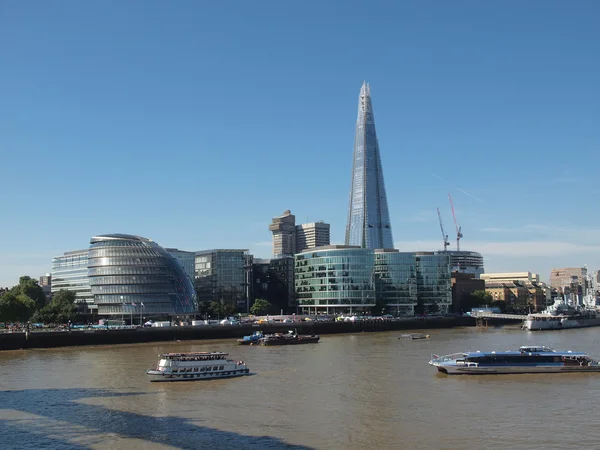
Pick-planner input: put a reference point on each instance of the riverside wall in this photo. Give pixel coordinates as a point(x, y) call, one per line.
point(51, 339)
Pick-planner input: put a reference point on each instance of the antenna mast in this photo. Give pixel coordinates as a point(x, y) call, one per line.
point(444, 235)
point(458, 228)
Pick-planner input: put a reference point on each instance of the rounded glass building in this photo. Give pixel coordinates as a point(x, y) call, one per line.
point(335, 278)
point(134, 275)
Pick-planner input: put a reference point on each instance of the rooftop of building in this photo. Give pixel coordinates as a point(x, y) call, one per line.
point(119, 236)
point(507, 275)
point(460, 253)
point(169, 249)
point(75, 252)
point(319, 224)
point(331, 247)
point(221, 250)
point(261, 261)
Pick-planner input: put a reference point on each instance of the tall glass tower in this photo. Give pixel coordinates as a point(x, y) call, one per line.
point(368, 217)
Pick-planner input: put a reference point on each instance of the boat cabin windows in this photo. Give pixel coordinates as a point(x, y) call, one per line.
point(500, 359)
point(535, 349)
point(195, 356)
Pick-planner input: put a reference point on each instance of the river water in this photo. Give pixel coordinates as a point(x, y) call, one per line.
point(368, 390)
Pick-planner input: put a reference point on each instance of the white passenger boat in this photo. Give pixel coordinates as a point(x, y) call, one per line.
point(561, 316)
point(529, 359)
point(196, 366)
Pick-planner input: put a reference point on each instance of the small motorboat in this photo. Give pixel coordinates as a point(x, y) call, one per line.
point(251, 339)
point(414, 336)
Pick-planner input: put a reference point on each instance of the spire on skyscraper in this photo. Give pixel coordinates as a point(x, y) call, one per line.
point(368, 223)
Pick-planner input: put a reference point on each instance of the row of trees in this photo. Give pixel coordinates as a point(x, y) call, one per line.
point(228, 308)
point(27, 302)
point(481, 298)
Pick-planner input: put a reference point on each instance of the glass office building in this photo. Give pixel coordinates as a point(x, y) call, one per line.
point(334, 279)
point(186, 259)
point(134, 275)
point(70, 272)
point(346, 279)
point(434, 284)
point(222, 275)
point(396, 281)
point(368, 223)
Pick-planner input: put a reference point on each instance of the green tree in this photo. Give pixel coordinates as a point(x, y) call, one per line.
point(30, 288)
point(16, 307)
point(260, 307)
point(433, 308)
point(61, 309)
point(477, 298)
point(223, 308)
point(378, 308)
point(484, 297)
point(215, 308)
point(499, 304)
point(229, 308)
point(419, 307)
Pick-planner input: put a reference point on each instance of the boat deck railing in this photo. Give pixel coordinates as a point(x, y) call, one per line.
point(444, 358)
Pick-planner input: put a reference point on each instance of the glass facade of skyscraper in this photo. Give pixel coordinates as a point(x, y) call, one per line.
point(342, 279)
point(396, 281)
point(186, 259)
point(134, 275)
point(70, 272)
point(434, 284)
point(335, 279)
point(368, 223)
point(221, 275)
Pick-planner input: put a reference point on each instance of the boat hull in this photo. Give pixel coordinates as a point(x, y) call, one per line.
point(247, 342)
point(457, 370)
point(564, 324)
point(290, 341)
point(160, 376)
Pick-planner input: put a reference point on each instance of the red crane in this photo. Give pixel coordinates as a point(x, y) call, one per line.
point(458, 229)
point(444, 235)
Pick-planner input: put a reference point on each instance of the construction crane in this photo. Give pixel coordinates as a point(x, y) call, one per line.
point(444, 235)
point(458, 229)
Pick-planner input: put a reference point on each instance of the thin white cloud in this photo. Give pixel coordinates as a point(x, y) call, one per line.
point(469, 195)
point(437, 176)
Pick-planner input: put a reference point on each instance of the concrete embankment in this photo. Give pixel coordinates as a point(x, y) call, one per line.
point(50, 339)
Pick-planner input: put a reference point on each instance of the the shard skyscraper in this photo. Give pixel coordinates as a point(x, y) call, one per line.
point(368, 217)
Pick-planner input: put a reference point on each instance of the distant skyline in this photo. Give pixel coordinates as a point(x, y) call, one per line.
point(194, 123)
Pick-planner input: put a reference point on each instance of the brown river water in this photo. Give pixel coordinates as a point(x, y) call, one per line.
point(368, 390)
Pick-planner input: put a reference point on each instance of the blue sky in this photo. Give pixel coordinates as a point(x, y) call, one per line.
point(194, 123)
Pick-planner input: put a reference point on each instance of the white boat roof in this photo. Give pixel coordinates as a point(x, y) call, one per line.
point(192, 354)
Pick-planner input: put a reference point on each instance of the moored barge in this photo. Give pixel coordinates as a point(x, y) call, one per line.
point(290, 338)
